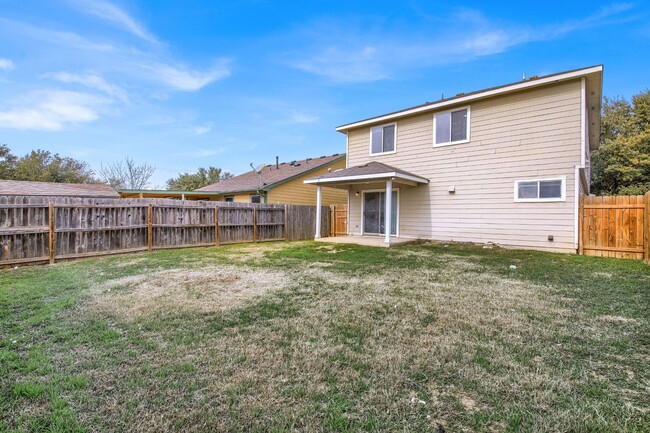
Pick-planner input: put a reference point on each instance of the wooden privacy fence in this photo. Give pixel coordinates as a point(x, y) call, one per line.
point(338, 220)
point(615, 226)
point(39, 229)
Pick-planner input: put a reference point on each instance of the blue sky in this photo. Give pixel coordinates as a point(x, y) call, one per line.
point(184, 84)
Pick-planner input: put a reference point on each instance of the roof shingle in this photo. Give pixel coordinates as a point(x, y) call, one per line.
point(270, 175)
point(22, 187)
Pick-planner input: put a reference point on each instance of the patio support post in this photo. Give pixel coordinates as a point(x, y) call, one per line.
point(387, 212)
point(319, 200)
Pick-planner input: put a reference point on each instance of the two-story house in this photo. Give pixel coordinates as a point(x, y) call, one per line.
point(505, 165)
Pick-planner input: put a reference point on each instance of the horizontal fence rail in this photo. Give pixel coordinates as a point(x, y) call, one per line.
point(44, 229)
point(615, 226)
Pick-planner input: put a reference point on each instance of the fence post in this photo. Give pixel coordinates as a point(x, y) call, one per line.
point(254, 224)
point(646, 228)
point(52, 241)
point(284, 231)
point(150, 227)
point(216, 226)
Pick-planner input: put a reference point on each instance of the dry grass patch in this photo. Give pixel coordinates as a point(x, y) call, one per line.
point(171, 291)
point(253, 252)
point(371, 332)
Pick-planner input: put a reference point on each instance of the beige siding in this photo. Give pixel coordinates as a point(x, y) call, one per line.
point(527, 135)
point(297, 192)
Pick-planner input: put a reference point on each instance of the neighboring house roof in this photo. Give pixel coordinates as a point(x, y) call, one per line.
point(153, 193)
point(271, 176)
point(366, 172)
point(592, 74)
point(21, 187)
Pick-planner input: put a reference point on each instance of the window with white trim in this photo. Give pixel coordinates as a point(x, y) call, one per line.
point(540, 190)
point(229, 198)
point(382, 139)
point(451, 127)
point(256, 198)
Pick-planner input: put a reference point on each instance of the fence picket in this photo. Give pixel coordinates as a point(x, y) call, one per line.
point(41, 229)
point(615, 226)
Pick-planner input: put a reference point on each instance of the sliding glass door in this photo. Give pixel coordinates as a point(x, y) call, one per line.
point(374, 209)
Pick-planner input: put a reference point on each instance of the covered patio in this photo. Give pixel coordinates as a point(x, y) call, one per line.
point(379, 184)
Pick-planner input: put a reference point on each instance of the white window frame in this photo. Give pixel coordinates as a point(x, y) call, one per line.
point(541, 200)
point(469, 128)
point(231, 197)
point(382, 140)
point(363, 202)
point(255, 195)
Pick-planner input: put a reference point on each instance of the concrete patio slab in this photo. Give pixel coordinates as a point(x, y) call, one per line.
point(370, 241)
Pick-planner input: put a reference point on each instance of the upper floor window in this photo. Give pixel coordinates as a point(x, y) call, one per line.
point(382, 139)
point(541, 190)
point(451, 127)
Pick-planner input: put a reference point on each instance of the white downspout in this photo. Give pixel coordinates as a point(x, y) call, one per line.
point(318, 210)
point(583, 155)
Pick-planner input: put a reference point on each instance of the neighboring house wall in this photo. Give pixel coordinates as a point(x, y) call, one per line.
point(297, 192)
point(527, 135)
point(238, 197)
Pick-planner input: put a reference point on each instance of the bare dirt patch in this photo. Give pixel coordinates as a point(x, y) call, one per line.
point(185, 290)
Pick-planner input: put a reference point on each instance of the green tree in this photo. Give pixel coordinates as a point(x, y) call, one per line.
point(7, 162)
point(621, 165)
point(43, 166)
point(202, 177)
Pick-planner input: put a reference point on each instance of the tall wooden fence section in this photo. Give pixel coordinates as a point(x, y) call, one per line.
point(338, 220)
point(615, 226)
point(42, 229)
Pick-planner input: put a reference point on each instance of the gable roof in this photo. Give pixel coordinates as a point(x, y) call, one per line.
point(368, 171)
point(271, 176)
point(592, 74)
point(22, 187)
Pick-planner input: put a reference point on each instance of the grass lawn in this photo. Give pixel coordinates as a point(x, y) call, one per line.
point(306, 337)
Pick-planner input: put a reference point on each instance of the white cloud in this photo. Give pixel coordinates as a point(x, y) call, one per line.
point(56, 37)
point(92, 81)
point(202, 129)
point(6, 65)
point(183, 78)
point(356, 51)
point(299, 117)
point(282, 111)
point(117, 16)
point(202, 153)
point(51, 110)
point(484, 44)
point(146, 66)
point(366, 63)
